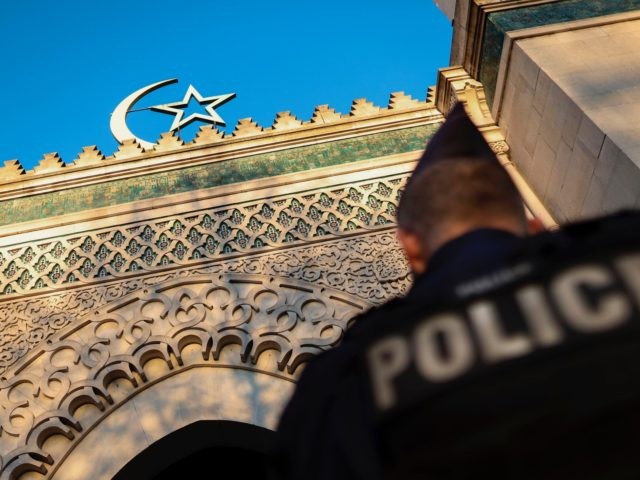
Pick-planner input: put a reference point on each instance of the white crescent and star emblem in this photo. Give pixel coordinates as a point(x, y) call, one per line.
point(178, 108)
point(122, 132)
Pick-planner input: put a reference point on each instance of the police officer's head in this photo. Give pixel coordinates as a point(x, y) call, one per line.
point(458, 186)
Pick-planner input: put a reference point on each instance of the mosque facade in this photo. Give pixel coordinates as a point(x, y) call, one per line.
point(163, 299)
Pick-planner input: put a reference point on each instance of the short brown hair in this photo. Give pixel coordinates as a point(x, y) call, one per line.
point(461, 189)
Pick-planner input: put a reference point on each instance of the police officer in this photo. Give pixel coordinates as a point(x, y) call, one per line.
point(511, 357)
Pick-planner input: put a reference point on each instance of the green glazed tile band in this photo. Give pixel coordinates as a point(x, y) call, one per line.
point(226, 172)
point(536, 16)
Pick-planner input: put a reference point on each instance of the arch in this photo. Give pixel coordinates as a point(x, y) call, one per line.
point(244, 399)
point(243, 336)
point(209, 436)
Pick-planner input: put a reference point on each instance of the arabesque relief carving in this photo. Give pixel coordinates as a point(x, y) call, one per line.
point(228, 319)
point(369, 266)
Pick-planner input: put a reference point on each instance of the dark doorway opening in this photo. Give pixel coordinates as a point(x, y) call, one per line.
point(205, 446)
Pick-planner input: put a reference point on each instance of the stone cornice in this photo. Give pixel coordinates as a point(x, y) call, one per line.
point(235, 170)
point(181, 203)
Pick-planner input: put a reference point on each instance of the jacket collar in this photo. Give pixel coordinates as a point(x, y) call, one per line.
point(486, 241)
point(468, 255)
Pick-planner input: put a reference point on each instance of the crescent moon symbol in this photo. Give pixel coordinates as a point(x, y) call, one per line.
point(118, 121)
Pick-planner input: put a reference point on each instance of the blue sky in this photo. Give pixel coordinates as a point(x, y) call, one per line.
point(67, 64)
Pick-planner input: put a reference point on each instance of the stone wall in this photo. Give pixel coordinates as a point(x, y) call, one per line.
point(570, 95)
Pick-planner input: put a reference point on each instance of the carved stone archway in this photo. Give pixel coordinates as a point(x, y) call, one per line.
point(205, 445)
point(221, 347)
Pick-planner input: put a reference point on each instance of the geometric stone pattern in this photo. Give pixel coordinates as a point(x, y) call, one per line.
point(228, 320)
point(368, 266)
point(184, 239)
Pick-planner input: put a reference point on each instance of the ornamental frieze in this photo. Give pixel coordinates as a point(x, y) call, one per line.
point(186, 239)
point(369, 266)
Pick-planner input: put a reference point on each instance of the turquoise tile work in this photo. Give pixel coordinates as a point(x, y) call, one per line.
point(535, 16)
point(215, 174)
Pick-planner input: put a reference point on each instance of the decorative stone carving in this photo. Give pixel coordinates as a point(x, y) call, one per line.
point(324, 114)
point(179, 323)
point(27, 322)
point(168, 141)
point(12, 169)
point(89, 156)
point(246, 127)
point(182, 240)
point(50, 163)
point(499, 147)
point(370, 266)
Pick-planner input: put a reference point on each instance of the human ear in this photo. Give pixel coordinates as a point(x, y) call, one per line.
point(534, 225)
point(414, 250)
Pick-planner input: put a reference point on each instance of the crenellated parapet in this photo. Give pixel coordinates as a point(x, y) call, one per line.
point(400, 101)
point(208, 134)
point(286, 121)
point(51, 162)
point(247, 128)
point(12, 170)
point(361, 107)
point(128, 149)
point(168, 141)
point(89, 156)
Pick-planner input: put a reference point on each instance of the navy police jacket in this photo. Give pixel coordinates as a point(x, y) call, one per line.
point(510, 358)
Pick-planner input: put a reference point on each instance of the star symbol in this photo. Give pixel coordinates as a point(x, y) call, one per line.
point(178, 108)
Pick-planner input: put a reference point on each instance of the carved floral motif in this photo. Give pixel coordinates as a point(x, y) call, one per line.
point(77, 366)
point(370, 266)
